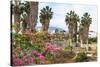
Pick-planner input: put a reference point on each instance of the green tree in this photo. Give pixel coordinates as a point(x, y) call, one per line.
point(24, 7)
point(16, 12)
point(84, 27)
point(72, 20)
point(29, 15)
point(46, 15)
point(27, 12)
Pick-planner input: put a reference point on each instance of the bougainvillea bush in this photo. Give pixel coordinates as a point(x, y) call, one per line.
point(26, 53)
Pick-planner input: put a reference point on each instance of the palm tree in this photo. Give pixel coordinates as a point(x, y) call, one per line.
point(26, 12)
point(85, 24)
point(72, 20)
point(45, 16)
point(16, 12)
point(30, 15)
point(76, 21)
point(24, 7)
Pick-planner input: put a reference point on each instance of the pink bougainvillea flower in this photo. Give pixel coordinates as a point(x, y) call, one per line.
point(51, 47)
point(17, 62)
point(38, 54)
point(34, 51)
point(56, 49)
point(32, 59)
point(41, 57)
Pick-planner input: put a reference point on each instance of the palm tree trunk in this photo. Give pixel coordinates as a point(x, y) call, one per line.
point(81, 38)
point(47, 25)
point(87, 36)
point(33, 15)
point(76, 32)
point(16, 15)
point(81, 42)
point(17, 22)
point(43, 27)
point(70, 34)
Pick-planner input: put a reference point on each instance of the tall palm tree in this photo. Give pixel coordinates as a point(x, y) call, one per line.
point(72, 20)
point(76, 21)
point(85, 24)
point(24, 7)
point(16, 12)
point(45, 15)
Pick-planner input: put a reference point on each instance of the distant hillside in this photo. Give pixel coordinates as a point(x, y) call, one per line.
point(51, 29)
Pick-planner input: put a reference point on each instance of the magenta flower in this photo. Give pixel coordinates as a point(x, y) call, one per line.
point(32, 59)
point(51, 47)
point(41, 57)
point(17, 62)
point(27, 61)
point(34, 51)
point(38, 54)
point(56, 49)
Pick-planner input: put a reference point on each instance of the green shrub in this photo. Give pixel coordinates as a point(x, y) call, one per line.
point(20, 40)
point(81, 57)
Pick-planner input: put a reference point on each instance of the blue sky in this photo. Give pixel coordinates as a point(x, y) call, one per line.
point(60, 10)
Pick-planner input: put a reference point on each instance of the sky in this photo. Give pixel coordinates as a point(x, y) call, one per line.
point(60, 10)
